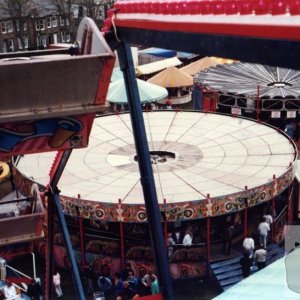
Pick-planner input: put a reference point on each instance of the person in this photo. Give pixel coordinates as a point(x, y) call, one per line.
point(146, 284)
point(177, 236)
point(169, 104)
point(188, 238)
point(268, 217)
point(90, 277)
point(170, 243)
point(10, 292)
point(126, 292)
point(260, 255)
point(133, 281)
point(249, 245)
point(118, 283)
point(246, 264)
point(290, 130)
point(34, 290)
point(154, 285)
point(57, 284)
point(227, 238)
point(126, 271)
point(263, 229)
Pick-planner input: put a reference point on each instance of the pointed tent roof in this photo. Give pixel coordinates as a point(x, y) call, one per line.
point(148, 92)
point(172, 78)
point(199, 65)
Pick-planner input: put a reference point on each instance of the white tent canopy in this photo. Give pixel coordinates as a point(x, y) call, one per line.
point(158, 66)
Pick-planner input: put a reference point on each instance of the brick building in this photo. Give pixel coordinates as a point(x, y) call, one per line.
point(42, 23)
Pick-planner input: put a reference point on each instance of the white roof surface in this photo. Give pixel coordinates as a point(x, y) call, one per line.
point(209, 153)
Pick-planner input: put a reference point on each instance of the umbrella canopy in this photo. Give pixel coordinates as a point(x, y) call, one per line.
point(172, 78)
point(148, 92)
point(199, 65)
point(116, 74)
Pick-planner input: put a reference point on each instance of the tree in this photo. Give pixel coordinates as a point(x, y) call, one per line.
point(19, 12)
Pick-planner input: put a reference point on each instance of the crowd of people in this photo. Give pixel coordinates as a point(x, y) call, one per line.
point(122, 286)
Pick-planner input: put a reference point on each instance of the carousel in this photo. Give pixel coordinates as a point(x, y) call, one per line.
point(208, 168)
point(263, 92)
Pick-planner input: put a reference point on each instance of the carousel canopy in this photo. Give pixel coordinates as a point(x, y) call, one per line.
point(148, 92)
point(172, 78)
point(245, 78)
point(193, 154)
point(199, 65)
point(157, 66)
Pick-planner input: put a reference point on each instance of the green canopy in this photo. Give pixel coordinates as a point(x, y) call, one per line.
point(149, 92)
point(116, 74)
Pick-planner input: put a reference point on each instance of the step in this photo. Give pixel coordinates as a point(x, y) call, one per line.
point(225, 263)
point(227, 269)
point(231, 281)
point(229, 275)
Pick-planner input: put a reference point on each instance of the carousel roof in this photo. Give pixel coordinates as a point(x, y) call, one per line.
point(199, 65)
point(172, 78)
point(244, 78)
point(193, 154)
point(148, 92)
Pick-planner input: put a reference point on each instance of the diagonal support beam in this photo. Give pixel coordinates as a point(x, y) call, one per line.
point(146, 172)
point(54, 206)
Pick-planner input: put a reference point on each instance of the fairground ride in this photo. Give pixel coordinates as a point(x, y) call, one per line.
point(264, 31)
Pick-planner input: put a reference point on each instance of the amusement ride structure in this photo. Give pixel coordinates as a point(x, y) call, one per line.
point(68, 86)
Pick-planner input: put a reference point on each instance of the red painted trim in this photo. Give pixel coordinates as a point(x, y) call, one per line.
point(122, 243)
point(55, 164)
point(288, 32)
point(208, 239)
point(83, 262)
point(245, 222)
point(104, 80)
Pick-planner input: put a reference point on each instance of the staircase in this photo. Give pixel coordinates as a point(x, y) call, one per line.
point(229, 272)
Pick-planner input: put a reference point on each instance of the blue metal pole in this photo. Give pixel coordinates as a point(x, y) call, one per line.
point(54, 203)
point(145, 167)
point(197, 97)
point(74, 270)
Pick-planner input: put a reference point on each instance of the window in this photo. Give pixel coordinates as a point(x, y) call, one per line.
point(10, 44)
point(20, 46)
point(51, 22)
point(65, 37)
point(9, 26)
point(62, 21)
point(3, 27)
point(43, 41)
point(54, 21)
point(25, 42)
point(40, 24)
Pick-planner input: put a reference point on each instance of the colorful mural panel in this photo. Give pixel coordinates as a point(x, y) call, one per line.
point(44, 135)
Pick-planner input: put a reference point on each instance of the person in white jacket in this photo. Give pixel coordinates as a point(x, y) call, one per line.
point(263, 229)
point(249, 245)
